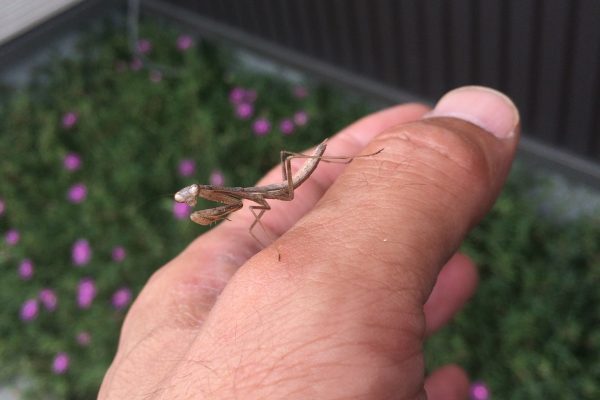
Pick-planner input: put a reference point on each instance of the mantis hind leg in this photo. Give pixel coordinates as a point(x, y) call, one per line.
point(287, 156)
point(286, 167)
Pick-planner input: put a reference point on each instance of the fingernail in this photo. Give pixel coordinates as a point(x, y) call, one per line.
point(482, 106)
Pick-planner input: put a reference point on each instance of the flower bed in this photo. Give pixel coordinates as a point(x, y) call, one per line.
point(91, 154)
point(92, 151)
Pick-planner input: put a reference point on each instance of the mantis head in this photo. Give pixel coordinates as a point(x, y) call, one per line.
point(187, 195)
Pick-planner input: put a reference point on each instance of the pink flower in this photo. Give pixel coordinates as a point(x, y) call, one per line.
point(184, 42)
point(69, 119)
point(301, 118)
point(479, 391)
point(155, 76)
point(187, 167)
point(48, 299)
point(136, 64)
point(286, 126)
point(181, 210)
point(84, 338)
point(2, 206)
point(26, 269)
point(144, 46)
point(77, 193)
point(217, 178)
point(121, 298)
point(72, 162)
point(300, 91)
point(12, 237)
point(244, 110)
point(60, 365)
point(29, 310)
point(86, 291)
point(81, 252)
point(118, 253)
point(261, 126)
point(237, 95)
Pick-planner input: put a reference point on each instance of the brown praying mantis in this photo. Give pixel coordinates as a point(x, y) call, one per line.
point(231, 197)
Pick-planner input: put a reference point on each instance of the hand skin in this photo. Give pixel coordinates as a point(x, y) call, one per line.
point(368, 271)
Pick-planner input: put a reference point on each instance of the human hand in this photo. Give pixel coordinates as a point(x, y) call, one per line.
point(368, 270)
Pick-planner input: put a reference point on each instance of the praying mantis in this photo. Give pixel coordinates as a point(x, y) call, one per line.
point(231, 197)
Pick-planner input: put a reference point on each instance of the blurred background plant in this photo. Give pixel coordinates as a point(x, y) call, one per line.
point(91, 153)
point(92, 150)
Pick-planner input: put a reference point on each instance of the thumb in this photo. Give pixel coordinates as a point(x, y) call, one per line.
point(398, 216)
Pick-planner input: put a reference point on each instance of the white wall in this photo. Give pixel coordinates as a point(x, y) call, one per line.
point(17, 16)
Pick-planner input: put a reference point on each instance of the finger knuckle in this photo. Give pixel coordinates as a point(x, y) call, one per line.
point(434, 151)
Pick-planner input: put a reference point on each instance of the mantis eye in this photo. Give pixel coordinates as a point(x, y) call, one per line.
point(187, 195)
point(179, 197)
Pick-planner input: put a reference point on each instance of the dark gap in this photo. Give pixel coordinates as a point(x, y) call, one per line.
point(378, 51)
point(202, 7)
point(357, 37)
point(409, 26)
point(449, 27)
point(594, 133)
point(325, 31)
point(205, 5)
point(382, 45)
point(471, 55)
point(314, 33)
point(345, 39)
point(296, 37)
point(295, 10)
point(362, 20)
point(282, 11)
point(535, 63)
point(448, 54)
point(305, 28)
point(567, 69)
point(330, 19)
point(475, 42)
point(240, 16)
point(460, 31)
point(219, 10)
point(397, 66)
point(422, 42)
point(256, 18)
point(271, 19)
point(504, 39)
point(257, 15)
point(375, 48)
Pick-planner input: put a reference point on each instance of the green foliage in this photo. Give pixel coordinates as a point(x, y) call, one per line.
point(131, 134)
point(531, 332)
